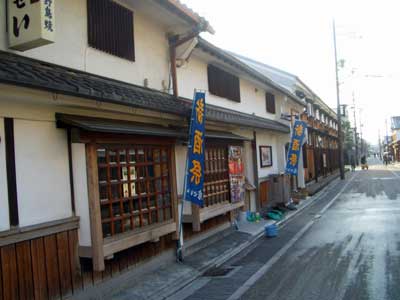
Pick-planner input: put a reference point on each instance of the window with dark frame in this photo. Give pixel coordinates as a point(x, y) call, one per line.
point(216, 175)
point(270, 102)
point(110, 28)
point(134, 187)
point(223, 84)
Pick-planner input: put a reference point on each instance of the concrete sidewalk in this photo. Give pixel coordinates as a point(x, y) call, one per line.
point(162, 279)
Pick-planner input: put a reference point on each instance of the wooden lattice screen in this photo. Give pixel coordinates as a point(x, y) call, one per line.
point(134, 186)
point(216, 180)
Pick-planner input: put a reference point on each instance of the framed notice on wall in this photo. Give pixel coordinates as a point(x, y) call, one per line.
point(236, 173)
point(265, 156)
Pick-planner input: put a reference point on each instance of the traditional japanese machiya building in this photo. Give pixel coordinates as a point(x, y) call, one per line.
point(234, 85)
point(88, 129)
point(320, 152)
point(92, 142)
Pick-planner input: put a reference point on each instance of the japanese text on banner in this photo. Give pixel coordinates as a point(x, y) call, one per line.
point(195, 163)
point(299, 129)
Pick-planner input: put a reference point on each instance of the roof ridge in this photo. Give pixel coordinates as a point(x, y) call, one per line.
point(261, 63)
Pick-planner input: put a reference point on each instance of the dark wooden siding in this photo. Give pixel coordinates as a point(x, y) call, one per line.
point(111, 28)
point(223, 84)
point(49, 267)
point(42, 268)
point(304, 153)
point(264, 193)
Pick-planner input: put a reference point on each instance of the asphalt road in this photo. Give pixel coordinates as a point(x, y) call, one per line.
point(344, 246)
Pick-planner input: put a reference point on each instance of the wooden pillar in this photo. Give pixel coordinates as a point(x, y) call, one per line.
point(94, 208)
point(196, 218)
point(174, 192)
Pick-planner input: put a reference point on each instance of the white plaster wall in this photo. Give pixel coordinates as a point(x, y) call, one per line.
point(268, 139)
point(71, 46)
point(180, 158)
point(81, 193)
point(4, 216)
point(42, 173)
point(194, 76)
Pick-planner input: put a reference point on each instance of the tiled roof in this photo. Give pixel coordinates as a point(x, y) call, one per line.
point(251, 71)
point(27, 72)
point(188, 13)
point(283, 78)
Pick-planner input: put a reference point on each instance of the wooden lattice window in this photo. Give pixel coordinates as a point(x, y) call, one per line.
point(216, 179)
point(223, 84)
point(134, 187)
point(110, 28)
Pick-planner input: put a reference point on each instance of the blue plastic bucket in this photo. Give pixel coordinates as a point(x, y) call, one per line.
point(271, 230)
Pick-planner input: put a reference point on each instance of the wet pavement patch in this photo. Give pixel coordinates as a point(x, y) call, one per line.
point(220, 272)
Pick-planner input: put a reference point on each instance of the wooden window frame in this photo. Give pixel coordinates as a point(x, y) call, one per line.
point(111, 28)
point(134, 183)
point(270, 103)
point(199, 215)
point(216, 181)
point(106, 246)
point(223, 84)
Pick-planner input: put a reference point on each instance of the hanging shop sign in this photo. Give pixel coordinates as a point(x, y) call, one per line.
point(195, 158)
point(299, 128)
point(31, 23)
point(236, 173)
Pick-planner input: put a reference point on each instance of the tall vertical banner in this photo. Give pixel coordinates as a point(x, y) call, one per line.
point(296, 143)
point(195, 157)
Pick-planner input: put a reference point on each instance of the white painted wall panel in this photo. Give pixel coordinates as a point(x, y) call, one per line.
point(4, 216)
point(43, 186)
point(81, 193)
point(71, 46)
point(194, 75)
point(268, 139)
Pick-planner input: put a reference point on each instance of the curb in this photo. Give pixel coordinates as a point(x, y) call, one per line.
point(218, 261)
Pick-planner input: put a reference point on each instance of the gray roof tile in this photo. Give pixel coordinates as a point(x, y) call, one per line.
point(23, 71)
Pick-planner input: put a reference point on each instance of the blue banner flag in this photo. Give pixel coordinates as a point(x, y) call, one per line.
point(195, 158)
point(296, 144)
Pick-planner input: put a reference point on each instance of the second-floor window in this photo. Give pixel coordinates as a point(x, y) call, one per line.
point(223, 84)
point(270, 102)
point(110, 28)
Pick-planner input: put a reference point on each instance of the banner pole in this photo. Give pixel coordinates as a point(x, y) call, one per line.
point(179, 252)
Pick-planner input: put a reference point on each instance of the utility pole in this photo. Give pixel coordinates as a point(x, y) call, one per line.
point(361, 138)
point(355, 129)
point(380, 145)
point(339, 113)
point(387, 136)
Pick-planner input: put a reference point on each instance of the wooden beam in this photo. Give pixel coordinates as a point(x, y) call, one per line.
point(196, 223)
point(94, 208)
point(18, 235)
point(174, 192)
point(218, 209)
point(11, 171)
point(174, 76)
point(132, 238)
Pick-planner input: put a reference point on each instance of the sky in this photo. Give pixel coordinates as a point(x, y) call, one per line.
point(296, 36)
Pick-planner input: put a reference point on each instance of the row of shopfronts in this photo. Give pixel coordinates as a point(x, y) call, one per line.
point(93, 148)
